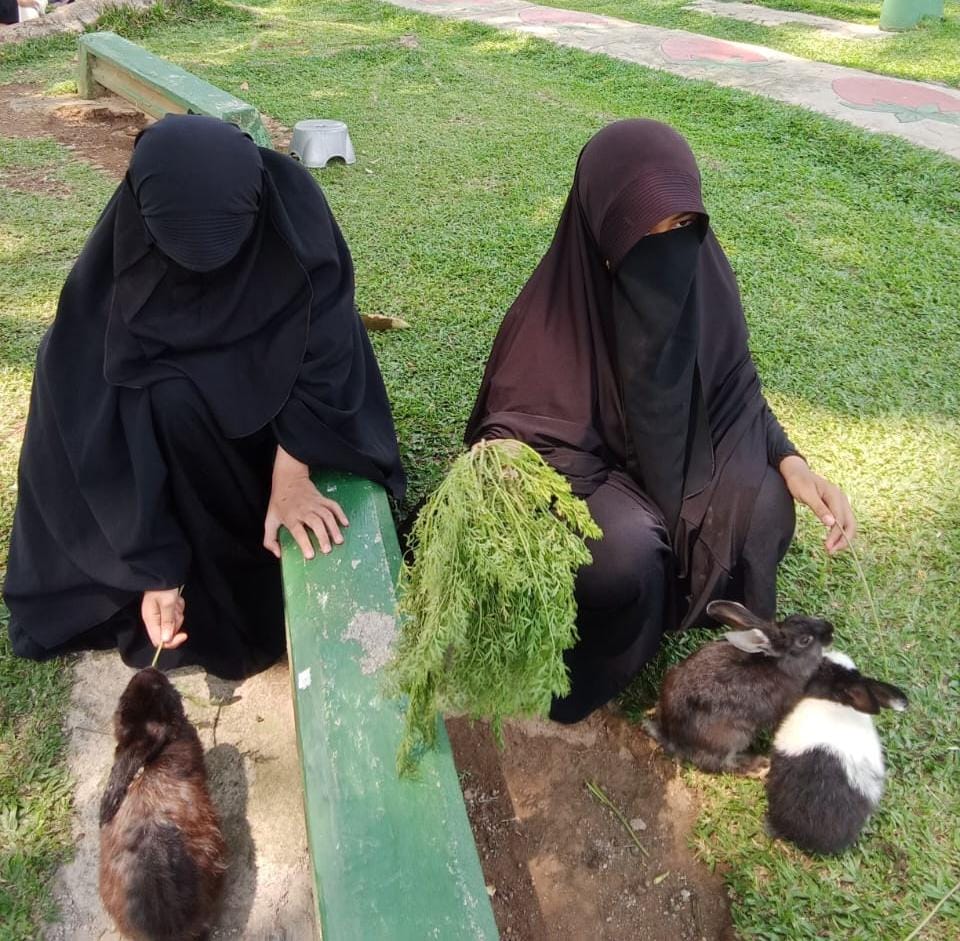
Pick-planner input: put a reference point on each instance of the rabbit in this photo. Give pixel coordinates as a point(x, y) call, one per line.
point(162, 854)
point(713, 704)
point(826, 766)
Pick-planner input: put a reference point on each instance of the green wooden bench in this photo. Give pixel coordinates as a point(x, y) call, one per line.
point(393, 860)
point(156, 87)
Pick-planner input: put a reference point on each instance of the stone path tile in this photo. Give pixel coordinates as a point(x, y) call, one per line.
point(923, 113)
point(765, 16)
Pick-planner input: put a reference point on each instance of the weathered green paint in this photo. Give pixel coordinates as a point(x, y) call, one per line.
point(905, 14)
point(156, 86)
point(394, 860)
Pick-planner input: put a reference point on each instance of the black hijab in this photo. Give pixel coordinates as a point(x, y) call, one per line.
point(219, 262)
point(630, 352)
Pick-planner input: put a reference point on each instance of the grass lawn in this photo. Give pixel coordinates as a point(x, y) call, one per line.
point(931, 52)
point(846, 246)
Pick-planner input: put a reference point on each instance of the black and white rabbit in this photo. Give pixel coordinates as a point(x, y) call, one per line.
point(826, 766)
point(162, 854)
point(713, 704)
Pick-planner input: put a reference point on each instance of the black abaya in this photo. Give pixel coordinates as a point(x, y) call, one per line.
point(162, 390)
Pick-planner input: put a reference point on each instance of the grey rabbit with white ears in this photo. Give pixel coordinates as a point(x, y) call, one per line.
point(713, 704)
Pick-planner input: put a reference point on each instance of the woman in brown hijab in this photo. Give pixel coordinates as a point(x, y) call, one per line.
point(624, 362)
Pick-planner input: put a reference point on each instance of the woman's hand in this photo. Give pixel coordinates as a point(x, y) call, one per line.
point(297, 504)
point(162, 613)
point(828, 502)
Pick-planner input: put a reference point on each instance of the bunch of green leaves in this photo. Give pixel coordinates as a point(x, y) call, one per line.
point(487, 607)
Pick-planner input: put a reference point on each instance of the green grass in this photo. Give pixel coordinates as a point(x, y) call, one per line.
point(35, 789)
point(931, 52)
point(846, 246)
point(40, 233)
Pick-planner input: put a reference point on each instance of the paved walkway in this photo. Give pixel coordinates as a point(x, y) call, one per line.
point(924, 114)
point(767, 16)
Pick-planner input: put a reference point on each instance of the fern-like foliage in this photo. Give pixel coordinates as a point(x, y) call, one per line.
point(487, 607)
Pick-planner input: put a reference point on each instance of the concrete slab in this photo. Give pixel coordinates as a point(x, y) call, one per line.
point(248, 732)
point(925, 114)
point(766, 16)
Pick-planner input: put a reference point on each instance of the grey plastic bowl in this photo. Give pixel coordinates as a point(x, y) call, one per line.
point(317, 141)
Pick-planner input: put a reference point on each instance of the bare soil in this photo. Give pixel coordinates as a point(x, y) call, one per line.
point(101, 130)
point(560, 865)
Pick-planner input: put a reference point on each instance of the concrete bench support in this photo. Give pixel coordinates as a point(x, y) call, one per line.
point(110, 62)
point(393, 859)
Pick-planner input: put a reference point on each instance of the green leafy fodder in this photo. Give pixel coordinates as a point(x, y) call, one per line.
point(487, 607)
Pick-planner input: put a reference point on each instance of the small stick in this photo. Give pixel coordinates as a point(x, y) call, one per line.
point(598, 793)
point(916, 931)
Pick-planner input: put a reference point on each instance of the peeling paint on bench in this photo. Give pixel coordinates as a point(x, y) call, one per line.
point(393, 859)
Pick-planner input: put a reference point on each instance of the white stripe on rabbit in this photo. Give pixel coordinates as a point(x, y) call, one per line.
point(840, 658)
point(842, 731)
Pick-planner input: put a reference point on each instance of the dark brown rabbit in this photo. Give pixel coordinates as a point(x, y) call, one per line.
point(713, 704)
point(162, 855)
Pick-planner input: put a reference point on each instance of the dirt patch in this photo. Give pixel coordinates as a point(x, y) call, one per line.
point(559, 864)
point(101, 131)
point(279, 133)
point(32, 181)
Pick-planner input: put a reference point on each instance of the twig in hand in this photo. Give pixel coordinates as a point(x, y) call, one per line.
point(598, 793)
point(916, 931)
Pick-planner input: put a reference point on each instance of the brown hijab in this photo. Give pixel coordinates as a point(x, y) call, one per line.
point(630, 353)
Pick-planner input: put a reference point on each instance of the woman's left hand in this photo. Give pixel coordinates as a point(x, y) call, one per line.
point(828, 502)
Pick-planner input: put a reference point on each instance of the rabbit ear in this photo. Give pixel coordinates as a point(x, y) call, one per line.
point(122, 773)
point(754, 641)
point(154, 737)
point(889, 696)
point(734, 614)
point(870, 696)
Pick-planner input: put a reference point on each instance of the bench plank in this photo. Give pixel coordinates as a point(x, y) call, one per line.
point(393, 859)
point(157, 87)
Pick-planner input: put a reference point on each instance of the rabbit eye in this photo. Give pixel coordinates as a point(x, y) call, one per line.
point(804, 640)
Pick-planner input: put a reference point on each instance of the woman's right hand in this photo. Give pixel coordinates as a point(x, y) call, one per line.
point(162, 613)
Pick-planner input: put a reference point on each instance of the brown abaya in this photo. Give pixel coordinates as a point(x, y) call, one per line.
point(624, 361)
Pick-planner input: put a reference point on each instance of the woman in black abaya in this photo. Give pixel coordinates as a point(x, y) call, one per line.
point(624, 361)
point(205, 356)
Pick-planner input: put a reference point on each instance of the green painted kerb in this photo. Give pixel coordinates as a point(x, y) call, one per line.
point(108, 61)
point(393, 859)
point(905, 14)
